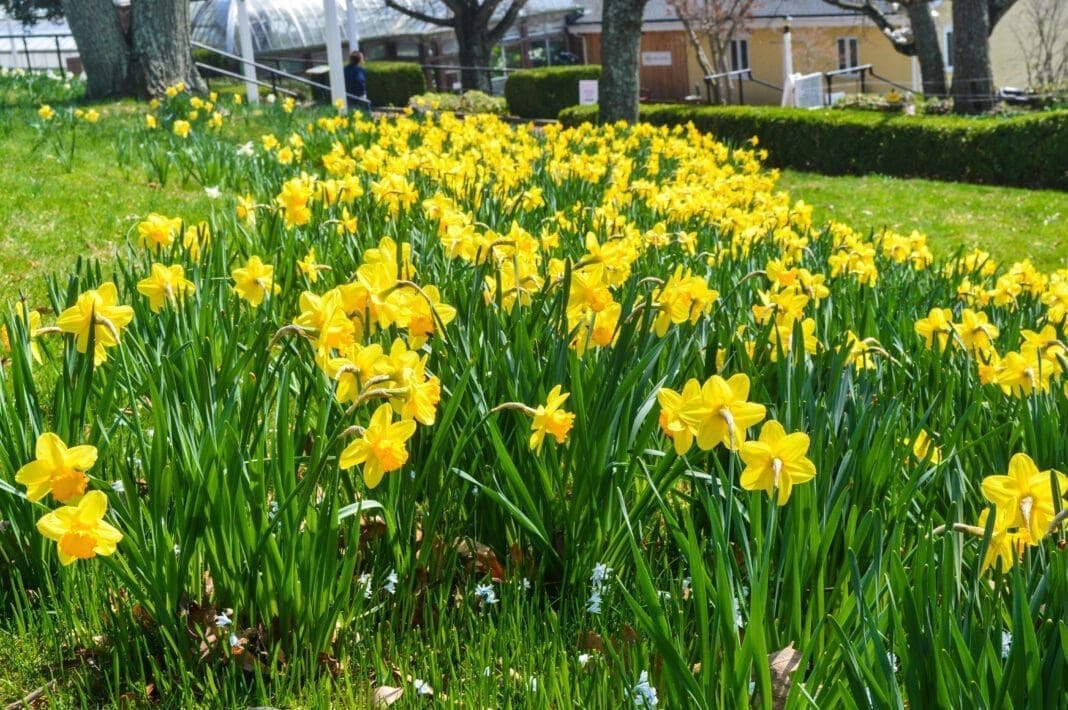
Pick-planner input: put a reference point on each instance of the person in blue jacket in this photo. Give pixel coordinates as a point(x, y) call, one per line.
point(355, 78)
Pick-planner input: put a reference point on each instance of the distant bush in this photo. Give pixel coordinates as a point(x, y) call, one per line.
point(543, 93)
point(468, 102)
point(1029, 150)
point(394, 83)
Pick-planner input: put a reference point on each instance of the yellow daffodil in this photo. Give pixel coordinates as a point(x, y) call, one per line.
point(32, 322)
point(96, 312)
point(550, 418)
point(181, 128)
point(1024, 497)
point(776, 462)
point(80, 531)
point(923, 448)
point(722, 414)
point(936, 327)
point(254, 281)
point(1006, 548)
point(381, 448)
point(46, 112)
point(166, 284)
point(58, 470)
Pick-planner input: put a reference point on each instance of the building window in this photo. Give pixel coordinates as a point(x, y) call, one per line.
point(949, 48)
point(739, 54)
point(848, 53)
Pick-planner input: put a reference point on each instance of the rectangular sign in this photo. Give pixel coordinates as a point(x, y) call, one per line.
point(587, 92)
point(809, 90)
point(656, 59)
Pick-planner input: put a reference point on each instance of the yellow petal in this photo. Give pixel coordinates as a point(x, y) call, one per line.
point(51, 448)
point(81, 457)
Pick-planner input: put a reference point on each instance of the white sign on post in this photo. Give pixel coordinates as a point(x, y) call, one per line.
point(587, 92)
point(656, 59)
point(808, 90)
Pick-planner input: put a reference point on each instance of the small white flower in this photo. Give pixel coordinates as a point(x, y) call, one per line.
point(271, 98)
point(593, 604)
point(365, 581)
point(247, 149)
point(526, 583)
point(664, 596)
point(1006, 643)
point(119, 487)
point(222, 620)
point(486, 594)
point(584, 659)
point(644, 695)
point(687, 586)
point(422, 687)
point(213, 192)
point(600, 575)
point(272, 510)
point(391, 582)
point(234, 641)
point(533, 684)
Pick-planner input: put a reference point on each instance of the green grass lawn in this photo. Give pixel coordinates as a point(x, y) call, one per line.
point(51, 217)
point(1010, 223)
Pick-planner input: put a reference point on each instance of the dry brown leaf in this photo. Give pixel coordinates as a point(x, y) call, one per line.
point(783, 663)
point(386, 695)
point(592, 641)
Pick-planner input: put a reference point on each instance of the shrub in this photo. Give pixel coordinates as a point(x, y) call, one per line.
point(1029, 151)
point(468, 102)
point(394, 83)
point(543, 93)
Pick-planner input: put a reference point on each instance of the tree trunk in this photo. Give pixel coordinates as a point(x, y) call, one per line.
point(474, 51)
point(973, 83)
point(161, 44)
point(102, 46)
point(928, 49)
point(621, 39)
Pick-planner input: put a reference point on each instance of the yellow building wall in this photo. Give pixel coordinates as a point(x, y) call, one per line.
point(1007, 53)
point(815, 49)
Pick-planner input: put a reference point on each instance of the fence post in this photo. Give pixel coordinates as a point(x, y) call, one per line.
point(863, 85)
point(741, 89)
point(829, 79)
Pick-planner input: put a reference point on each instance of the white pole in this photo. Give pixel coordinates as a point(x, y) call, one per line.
point(252, 92)
point(788, 88)
point(354, 31)
point(332, 35)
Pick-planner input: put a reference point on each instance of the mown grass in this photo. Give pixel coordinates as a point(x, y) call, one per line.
point(1011, 223)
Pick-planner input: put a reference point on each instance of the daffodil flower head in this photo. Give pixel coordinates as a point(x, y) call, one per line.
point(80, 531)
point(382, 447)
point(776, 462)
point(58, 470)
point(550, 418)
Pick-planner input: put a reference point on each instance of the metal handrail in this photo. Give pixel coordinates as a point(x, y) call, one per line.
point(736, 72)
point(284, 74)
point(235, 75)
point(861, 68)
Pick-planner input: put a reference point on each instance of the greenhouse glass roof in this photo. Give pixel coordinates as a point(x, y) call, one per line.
point(288, 25)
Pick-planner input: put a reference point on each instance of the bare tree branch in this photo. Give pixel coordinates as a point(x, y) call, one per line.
point(421, 16)
point(505, 22)
point(900, 36)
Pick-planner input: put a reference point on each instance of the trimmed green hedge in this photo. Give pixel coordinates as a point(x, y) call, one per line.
point(543, 93)
point(1029, 150)
point(393, 83)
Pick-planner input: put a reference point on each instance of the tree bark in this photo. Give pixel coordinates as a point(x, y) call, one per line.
point(621, 38)
point(973, 83)
point(928, 49)
point(102, 46)
point(474, 51)
point(162, 46)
